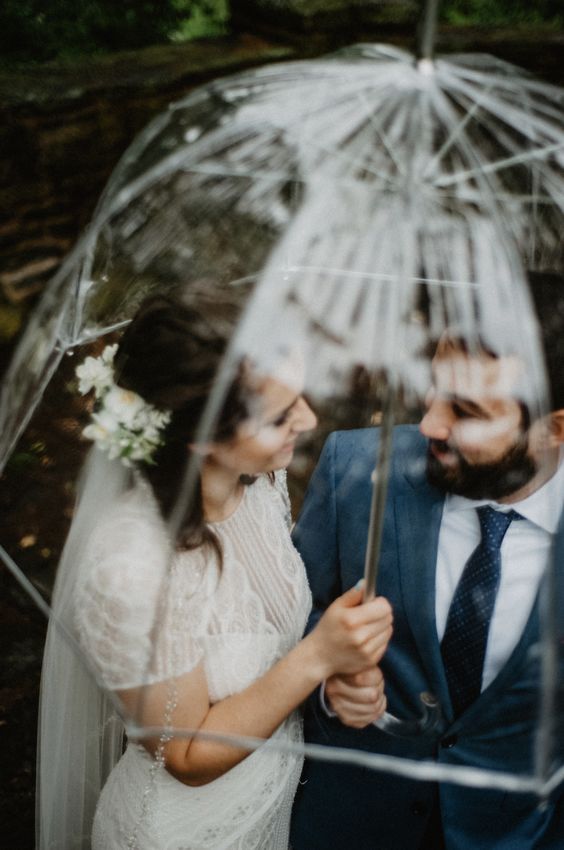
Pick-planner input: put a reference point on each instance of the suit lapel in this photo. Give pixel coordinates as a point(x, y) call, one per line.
point(418, 514)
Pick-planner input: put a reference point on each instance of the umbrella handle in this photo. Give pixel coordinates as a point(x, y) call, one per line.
point(429, 723)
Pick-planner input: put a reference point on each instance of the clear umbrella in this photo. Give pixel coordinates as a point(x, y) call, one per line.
point(206, 191)
point(371, 201)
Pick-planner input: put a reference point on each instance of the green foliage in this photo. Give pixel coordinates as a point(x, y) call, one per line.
point(201, 20)
point(38, 30)
point(27, 458)
point(11, 320)
point(503, 12)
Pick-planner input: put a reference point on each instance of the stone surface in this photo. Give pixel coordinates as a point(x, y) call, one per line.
point(63, 128)
point(327, 15)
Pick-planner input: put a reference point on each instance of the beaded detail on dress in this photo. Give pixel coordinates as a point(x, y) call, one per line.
point(145, 614)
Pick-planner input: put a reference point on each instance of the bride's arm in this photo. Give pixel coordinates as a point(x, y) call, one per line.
point(349, 637)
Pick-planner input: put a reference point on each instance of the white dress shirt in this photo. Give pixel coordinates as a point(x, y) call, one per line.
point(524, 557)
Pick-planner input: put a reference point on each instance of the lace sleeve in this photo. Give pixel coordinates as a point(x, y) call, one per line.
point(132, 622)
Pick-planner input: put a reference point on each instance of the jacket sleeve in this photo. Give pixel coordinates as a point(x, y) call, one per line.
point(316, 535)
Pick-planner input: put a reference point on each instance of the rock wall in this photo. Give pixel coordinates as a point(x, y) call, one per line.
point(326, 17)
point(62, 130)
point(64, 127)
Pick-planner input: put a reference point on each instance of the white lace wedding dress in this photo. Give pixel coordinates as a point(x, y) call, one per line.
point(143, 617)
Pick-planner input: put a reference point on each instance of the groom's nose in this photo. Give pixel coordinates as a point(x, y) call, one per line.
point(437, 421)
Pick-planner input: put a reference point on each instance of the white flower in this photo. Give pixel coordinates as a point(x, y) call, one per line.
point(114, 451)
point(159, 418)
point(97, 373)
point(105, 422)
point(125, 406)
point(108, 354)
point(123, 424)
point(96, 432)
point(93, 375)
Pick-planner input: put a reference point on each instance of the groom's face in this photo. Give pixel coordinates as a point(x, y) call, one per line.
point(479, 446)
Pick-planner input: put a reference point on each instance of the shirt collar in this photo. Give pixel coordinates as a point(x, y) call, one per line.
point(543, 507)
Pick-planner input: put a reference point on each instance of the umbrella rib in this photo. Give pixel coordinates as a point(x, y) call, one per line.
point(551, 784)
point(382, 275)
point(513, 115)
point(455, 133)
point(473, 196)
point(494, 167)
point(380, 132)
point(25, 583)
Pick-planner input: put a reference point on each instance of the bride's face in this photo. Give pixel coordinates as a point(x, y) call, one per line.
point(266, 441)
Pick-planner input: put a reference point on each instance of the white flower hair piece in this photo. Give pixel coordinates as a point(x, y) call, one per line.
point(123, 424)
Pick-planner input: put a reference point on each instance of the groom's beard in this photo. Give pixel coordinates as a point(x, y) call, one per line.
point(486, 480)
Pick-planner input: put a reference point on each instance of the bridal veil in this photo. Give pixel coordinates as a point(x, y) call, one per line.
point(80, 735)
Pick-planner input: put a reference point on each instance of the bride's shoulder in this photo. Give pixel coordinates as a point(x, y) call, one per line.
point(129, 545)
point(130, 583)
point(136, 506)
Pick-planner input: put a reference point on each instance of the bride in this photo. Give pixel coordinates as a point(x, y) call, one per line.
point(198, 630)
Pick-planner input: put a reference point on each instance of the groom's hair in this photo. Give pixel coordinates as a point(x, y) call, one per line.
point(546, 289)
point(547, 294)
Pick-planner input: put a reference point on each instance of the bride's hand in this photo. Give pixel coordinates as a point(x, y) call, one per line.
point(352, 635)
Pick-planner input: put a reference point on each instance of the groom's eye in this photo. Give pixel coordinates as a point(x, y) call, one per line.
point(282, 419)
point(461, 412)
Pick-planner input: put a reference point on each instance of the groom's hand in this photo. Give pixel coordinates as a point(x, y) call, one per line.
point(357, 699)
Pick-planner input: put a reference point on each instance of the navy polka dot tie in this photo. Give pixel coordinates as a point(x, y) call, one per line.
point(463, 646)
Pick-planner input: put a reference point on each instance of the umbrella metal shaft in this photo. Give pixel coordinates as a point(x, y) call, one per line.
point(428, 30)
point(379, 490)
point(430, 722)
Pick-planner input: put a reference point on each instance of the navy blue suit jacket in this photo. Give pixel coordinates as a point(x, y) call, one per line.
point(351, 808)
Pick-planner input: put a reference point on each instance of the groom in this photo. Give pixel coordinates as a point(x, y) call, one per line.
point(474, 513)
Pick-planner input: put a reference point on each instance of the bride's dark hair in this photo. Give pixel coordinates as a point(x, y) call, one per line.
point(170, 355)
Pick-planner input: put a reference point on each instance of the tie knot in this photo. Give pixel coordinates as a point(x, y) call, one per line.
point(494, 524)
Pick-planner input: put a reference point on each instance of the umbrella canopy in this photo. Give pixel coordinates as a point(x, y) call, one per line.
point(450, 171)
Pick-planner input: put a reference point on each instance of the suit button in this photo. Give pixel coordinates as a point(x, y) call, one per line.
point(419, 808)
point(449, 741)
